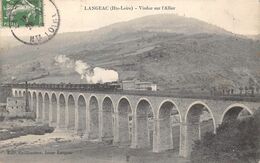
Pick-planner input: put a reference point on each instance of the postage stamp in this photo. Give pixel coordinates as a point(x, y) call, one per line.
point(31, 22)
point(22, 13)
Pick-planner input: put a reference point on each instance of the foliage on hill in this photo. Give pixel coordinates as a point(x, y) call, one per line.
point(177, 53)
point(235, 142)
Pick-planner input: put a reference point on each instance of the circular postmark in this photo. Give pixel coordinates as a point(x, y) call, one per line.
point(34, 22)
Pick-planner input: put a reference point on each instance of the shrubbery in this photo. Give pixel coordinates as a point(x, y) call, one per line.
point(236, 141)
point(25, 130)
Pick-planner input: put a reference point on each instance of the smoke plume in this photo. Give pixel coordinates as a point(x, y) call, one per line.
point(90, 74)
point(64, 61)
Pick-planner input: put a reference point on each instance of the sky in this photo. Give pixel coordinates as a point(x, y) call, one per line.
point(237, 16)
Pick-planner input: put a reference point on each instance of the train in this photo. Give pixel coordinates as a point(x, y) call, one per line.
point(108, 86)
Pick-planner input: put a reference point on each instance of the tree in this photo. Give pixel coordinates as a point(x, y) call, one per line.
point(236, 141)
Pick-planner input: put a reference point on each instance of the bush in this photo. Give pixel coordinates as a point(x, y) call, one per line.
point(236, 141)
point(26, 130)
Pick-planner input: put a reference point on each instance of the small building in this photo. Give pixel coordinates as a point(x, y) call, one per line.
point(15, 105)
point(3, 110)
point(2, 107)
point(138, 85)
point(5, 91)
point(128, 85)
point(146, 86)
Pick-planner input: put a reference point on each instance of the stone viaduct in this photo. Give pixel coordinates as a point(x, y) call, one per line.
point(139, 119)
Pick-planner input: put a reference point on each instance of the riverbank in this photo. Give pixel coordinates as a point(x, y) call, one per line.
point(60, 147)
point(19, 127)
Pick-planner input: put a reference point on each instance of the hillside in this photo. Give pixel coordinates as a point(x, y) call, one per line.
point(172, 51)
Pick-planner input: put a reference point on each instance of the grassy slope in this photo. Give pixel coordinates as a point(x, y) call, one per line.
point(170, 50)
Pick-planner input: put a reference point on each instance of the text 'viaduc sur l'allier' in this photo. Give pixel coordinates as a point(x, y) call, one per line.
point(127, 8)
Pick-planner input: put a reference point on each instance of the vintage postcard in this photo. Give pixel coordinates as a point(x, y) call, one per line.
point(130, 81)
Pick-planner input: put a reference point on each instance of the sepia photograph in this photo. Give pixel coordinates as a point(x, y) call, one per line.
point(130, 81)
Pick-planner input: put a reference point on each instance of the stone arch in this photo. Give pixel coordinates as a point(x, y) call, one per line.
point(108, 119)
point(206, 107)
point(71, 112)
point(40, 106)
point(199, 119)
point(125, 121)
point(15, 93)
point(94, 117)
point(169, 119)
point(61, 111)
point(82, 109)
point(23, 93)
point(54, 108)
point(34, 102)
point(144, 124)
point(233, 111)
point(20, 94)
point(46, 108)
